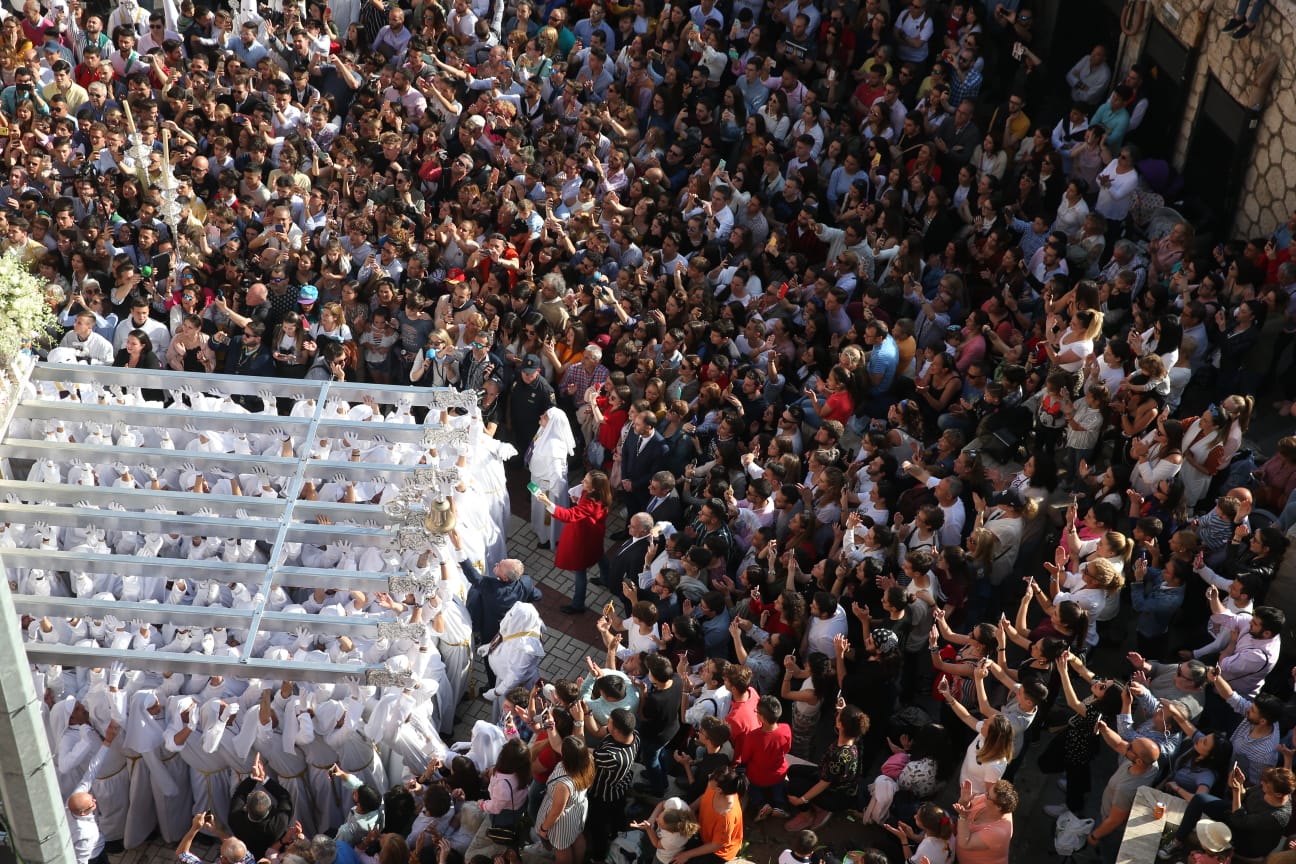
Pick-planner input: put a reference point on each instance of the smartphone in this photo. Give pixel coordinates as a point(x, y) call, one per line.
point(533, 488)
point(721, 165)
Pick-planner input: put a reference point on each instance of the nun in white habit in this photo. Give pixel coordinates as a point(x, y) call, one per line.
point(357, 756)
point(277, 741)
point(327, 794)
point(452, 625)
point(111, 787)
point(73, 741)
point(209, 775)
point(515, 660)
point(159, 793)
point(550, 449)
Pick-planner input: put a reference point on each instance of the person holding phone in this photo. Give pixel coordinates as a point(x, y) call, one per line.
point(580, 544)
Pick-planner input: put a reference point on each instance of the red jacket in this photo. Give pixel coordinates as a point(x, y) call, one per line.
point(580, 546)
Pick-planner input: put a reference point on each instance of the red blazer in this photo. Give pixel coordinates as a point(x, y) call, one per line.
point(580, 546)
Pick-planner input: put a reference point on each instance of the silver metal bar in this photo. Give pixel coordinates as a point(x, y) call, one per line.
point(193, 616)
point(181, 502)
point(126, 565)
point(139, 499)
point(19, 448)
point(240, 385)
point(144, 522)
point(265, 530)
point(44, 409)
point(194, 664)
point(178, 568)
point(255, 424)
point(292, 492)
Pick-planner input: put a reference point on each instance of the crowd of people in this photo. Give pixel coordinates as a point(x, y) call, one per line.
point(918, 418)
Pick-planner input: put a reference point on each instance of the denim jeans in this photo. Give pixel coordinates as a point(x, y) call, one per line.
point(775, 796)
point(1202, 805)
point(579, 581)
point(1257, 6)
point(655, 765)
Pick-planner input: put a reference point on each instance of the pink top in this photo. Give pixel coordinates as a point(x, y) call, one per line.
point(996, 836)
point(499, 791)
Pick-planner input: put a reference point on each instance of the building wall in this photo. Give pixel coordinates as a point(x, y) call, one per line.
point(1267, 198)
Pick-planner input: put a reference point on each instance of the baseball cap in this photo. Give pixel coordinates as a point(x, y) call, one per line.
point(1006, 498)
point(308, 294)
point(531, 363)
point(602, 340)
point(455, 274)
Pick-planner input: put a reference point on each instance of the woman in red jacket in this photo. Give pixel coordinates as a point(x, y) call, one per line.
point(580, 545)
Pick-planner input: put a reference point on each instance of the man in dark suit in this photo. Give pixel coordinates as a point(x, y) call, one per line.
point(664, 503)
point(260, 817)
point(642, 455)
point(626, 560)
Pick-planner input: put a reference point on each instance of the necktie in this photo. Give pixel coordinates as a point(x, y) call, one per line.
point(623, 547)
point(652, 505)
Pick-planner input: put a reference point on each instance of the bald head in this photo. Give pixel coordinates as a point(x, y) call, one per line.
point(81, 804)
point(1244, 498)
point(233, 851)
point(1145, 750)
point(256, 294)
point(510, 569)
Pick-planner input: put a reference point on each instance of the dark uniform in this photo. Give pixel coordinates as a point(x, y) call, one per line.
point(527, 402)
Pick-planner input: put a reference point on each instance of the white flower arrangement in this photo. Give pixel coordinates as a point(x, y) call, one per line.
point(25, 313)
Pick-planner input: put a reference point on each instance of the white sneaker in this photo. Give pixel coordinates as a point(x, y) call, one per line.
point(1055, 810)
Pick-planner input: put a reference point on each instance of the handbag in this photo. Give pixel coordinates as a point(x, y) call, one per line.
point(506, 826)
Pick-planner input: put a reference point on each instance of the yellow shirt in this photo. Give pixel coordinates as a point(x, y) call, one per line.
point(75, 95)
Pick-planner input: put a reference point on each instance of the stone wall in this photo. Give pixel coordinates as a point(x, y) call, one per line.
point(1268, 197)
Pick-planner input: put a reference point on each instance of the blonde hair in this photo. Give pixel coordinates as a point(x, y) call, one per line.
point(1239, 408)
point(679, 821)
point(852, 356)
point(997, 734)
point(983, 541)
point(335, 309)
point(1103, 574)
point(1121, 545)
point(547, 39)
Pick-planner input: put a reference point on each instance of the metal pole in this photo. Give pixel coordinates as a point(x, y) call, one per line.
point(38, 830)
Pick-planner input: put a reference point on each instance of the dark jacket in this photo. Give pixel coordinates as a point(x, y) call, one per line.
point(527, 402)
point(260, 836)
point(671, 510)
point(490, 599)
point(639, 466)
point(259, 365)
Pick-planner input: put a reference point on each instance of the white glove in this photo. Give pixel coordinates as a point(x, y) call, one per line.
point(115, 673)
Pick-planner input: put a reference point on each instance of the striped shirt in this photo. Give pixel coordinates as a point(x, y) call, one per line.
point(613, 768)
point(1254, 755)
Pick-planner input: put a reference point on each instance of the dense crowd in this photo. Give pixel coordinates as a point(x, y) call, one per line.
point(921, 411)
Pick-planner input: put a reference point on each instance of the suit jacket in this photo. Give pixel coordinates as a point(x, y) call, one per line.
point(489, 599)
point(629, 563)
point(260, 836)
point(669, 510)
point(639, 467)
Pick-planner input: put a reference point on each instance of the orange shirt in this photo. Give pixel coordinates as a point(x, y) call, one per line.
point(723, 828)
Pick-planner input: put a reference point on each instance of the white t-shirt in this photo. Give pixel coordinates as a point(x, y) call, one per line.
point(981, 774)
